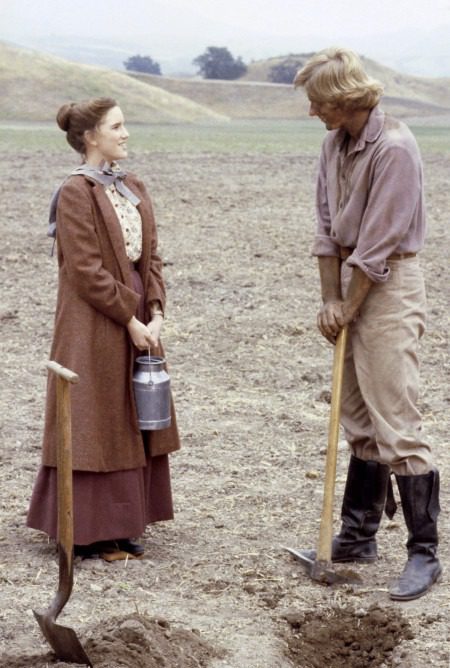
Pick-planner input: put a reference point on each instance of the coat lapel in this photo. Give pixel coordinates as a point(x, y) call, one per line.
point(144, 263)
point(147, 231)
point(114, 232)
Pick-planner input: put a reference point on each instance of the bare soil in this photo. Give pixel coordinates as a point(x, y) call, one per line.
point(251, 380)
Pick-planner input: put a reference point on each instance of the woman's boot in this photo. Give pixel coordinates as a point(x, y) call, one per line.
point(420, 502)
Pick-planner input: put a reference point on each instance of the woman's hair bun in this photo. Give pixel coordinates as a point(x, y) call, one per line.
point(63, 116)
point(76, 118)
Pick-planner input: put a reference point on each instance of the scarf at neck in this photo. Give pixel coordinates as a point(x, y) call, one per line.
point(106, 175)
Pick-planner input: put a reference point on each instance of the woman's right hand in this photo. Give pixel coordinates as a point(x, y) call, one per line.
point(139, 334)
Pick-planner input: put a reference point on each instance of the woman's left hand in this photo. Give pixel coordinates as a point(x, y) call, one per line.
point(154, 328)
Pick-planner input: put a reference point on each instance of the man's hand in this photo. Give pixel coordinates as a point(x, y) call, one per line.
point(337, 311)
point(333, 316)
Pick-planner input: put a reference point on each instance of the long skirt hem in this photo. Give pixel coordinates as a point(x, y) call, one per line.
point(106, 506)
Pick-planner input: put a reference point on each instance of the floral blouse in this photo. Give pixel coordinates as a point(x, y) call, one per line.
point(130, 222)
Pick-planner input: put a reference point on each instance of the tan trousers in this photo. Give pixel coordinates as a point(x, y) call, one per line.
point(381, 376)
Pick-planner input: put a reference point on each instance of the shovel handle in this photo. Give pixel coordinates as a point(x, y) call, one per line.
point(62, 372)
point(64, 379)
point(326, 521)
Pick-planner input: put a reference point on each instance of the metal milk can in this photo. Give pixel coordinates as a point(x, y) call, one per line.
point(151, 385)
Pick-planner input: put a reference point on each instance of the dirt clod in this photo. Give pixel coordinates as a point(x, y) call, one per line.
point(343, 637)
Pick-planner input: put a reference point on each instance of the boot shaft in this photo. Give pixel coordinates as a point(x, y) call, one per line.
point(419, 495)
point(365, 495)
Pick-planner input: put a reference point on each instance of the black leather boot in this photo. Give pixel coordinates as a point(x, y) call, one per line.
point(420, 502)
point(362, 508)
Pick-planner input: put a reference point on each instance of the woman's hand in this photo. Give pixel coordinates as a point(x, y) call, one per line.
point(140, 334)
point(154, 328)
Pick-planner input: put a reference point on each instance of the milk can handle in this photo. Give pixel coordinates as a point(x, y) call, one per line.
point(150, 382)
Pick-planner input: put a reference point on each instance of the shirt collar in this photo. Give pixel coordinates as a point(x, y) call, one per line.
point(370, 132)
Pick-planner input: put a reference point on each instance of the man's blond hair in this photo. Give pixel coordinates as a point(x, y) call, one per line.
point(337, 76)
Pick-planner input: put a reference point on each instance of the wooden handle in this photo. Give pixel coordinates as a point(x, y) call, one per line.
point(64, 378)
point(64, 463)
point(326, 521)
point(61, 371)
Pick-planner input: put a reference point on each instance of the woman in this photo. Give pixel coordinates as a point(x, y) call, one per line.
point(110, 305)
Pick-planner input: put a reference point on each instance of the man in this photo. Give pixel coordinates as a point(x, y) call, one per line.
point(371, 225)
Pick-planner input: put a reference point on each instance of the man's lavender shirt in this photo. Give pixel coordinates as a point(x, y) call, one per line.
point(371, 200)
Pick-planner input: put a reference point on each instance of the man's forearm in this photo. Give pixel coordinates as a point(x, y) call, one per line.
point(358, 289)
point(330, 278)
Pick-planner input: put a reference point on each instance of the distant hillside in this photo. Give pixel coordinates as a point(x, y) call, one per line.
point(428, 90)
point(236, 99)
point(248, 99)
point(34, 85)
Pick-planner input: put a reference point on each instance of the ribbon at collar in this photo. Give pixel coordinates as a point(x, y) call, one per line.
point(104, 175)
point(108, 176)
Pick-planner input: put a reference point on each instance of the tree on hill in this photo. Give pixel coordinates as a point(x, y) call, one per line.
point(218, 63)
point(142, 64)
point(285, 71)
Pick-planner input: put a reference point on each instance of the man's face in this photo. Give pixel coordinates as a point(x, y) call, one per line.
point(333, 117)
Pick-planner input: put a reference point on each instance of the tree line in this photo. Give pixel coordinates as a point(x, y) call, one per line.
point(218, 63)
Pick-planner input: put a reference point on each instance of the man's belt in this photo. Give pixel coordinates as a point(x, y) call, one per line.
point(346, 252)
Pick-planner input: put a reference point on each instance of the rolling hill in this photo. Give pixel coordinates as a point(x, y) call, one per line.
point(253, 96)
point(429, 90)
point(34, 85)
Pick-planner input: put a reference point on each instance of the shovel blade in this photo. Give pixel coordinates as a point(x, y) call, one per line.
point(320, 571)
point(62, 639)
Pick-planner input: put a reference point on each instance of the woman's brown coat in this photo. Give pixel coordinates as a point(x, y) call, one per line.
point(95, 301)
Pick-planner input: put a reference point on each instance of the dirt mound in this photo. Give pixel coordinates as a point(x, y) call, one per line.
point(134, 641)
point(343, 637)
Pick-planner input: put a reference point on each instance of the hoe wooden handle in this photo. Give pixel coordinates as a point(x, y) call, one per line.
point(326, 522)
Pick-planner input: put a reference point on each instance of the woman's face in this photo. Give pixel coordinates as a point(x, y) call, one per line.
point(109, 139)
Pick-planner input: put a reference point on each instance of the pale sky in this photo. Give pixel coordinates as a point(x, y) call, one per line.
point(408, 28)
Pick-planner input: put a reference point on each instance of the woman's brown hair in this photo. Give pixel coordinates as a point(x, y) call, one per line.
point(74, 118)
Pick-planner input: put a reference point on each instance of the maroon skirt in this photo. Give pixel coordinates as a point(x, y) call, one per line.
point(107, 506)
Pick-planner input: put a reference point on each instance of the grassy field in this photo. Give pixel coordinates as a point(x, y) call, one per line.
point(234, 137)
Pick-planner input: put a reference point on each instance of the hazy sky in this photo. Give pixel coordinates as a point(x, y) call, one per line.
point(251, 29)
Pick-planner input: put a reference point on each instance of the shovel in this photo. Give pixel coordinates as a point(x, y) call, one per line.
point(63, 639)
point(319, 569)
